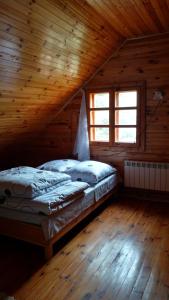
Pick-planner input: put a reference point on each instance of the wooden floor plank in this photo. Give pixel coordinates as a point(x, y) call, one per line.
point(123, 253)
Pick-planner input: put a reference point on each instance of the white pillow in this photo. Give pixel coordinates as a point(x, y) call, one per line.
point(59, 165)
point(90, 171)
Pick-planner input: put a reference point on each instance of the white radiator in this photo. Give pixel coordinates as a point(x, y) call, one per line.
point(146, 175)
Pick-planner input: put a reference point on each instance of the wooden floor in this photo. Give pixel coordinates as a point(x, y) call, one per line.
point(122, 254)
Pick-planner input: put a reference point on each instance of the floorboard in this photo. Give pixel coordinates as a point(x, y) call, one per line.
point(122, 253)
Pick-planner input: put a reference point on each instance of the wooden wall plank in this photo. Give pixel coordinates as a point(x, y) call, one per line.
point(49, 48)
point(152, 67)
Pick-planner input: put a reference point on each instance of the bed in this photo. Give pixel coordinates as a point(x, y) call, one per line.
point(35, 210)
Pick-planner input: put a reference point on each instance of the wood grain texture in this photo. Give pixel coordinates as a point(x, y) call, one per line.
point(34, 233)
point(48, 49)
point(122, 254)
point(139, 60)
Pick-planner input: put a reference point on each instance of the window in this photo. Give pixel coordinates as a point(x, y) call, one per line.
point(116, 116)
point(99, 117)
point(126, 116)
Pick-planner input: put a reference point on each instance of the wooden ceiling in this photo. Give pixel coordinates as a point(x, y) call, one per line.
point(49, 48)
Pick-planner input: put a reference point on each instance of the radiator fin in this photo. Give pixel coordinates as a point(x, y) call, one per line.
point(146, 175)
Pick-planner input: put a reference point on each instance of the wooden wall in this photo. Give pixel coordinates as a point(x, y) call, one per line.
point(49, 49)
point(139, 60)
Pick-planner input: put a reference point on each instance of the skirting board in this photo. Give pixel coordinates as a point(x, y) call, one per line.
point(147, 195)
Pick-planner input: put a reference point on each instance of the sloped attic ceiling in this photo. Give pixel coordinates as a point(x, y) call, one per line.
point(49, 48)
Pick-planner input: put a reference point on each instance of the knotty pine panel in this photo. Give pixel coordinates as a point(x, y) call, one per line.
point(138, 63)
point(46, 52)
point(152, 66)
point(49, 48)
point(121, 254)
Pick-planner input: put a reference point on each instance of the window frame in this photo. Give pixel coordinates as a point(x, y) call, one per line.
point(140, 124)
point(89, 109)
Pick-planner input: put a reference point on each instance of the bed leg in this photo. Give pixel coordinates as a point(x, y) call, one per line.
point(48, 252)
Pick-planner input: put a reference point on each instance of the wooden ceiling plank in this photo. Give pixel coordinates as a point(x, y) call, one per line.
point(38, 81)
point(60, 45)
point(132, 15)
point(43, 74)
point(80, 25)
point(20, 53)
point(145, 17)
point(120, 9)
point(162, 11)
point(87, 16)
point(66, 24)
point(113, 19)
point(17, 61)
point(14, 50)
point(48, 49)
point(83, 36)
point(73, 44)
point(153, 15)
point(66, 51)
point(167, 3)
point(114, 31)
point(50, 85)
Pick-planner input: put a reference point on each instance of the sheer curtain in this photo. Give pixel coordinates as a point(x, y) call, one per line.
point(81, 147)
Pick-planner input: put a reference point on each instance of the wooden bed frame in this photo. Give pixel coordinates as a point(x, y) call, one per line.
point(34, 233)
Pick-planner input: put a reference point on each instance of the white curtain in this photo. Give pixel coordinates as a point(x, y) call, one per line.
point(81, 147)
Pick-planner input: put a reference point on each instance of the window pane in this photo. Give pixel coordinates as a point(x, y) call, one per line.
point(100, 117)
point(99, 134)
point(99, 100)
point(125, 135)
point(126, 117)
point(126, 99)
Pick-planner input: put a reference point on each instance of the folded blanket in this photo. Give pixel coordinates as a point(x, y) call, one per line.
point(29, 182)
point(50, 202)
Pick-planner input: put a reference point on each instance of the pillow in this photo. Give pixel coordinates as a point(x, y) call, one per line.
point(59, 165)
point(90, 171)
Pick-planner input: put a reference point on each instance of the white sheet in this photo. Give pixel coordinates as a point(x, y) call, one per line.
point(27, 182)
point(105, 186)
point(50, 202)
point(54, 223)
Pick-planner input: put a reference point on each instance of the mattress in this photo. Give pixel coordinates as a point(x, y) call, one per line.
point(50, 202)
point(54, 223)
point(105, 186)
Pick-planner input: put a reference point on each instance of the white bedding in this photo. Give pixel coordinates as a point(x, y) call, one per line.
point(59, 165)
point(50, 202)
point(56, 222)
point(27, 182)
point(90, 171)
point(105, 186)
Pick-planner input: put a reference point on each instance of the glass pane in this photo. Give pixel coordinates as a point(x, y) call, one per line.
point(99, 117)
point(126, 117)
point(126, 99)
point(99, 134)
point(125, 135)
point(99, 100)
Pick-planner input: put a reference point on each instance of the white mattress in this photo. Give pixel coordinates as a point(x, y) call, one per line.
point(50, 202)
point(54, 223)
point(105, 185)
